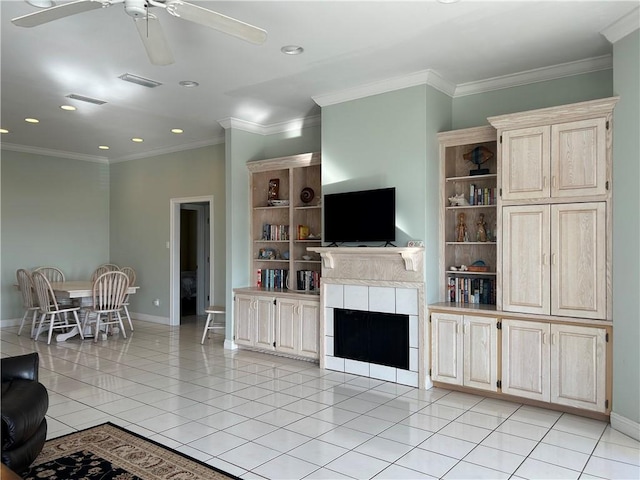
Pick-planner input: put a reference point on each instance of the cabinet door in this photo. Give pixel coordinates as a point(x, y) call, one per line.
point(525, 259)
point(525, 163)
point(579, 158)
point(309, 329)
point(287, 325)
point(264, 320)
point(446, 348)
point(243, 320)
point(578, 366)
point(481, 352)
point(525, 359)
point(578, 270)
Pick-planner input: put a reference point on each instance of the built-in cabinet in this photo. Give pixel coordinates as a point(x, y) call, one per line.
point(557, 363)
point(553, 230)
point(556, 259)
point(280, 311)
point(277, 323)
point(464, 350)
point(468, 220)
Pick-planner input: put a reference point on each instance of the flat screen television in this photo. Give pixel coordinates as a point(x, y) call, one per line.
point(363, 216)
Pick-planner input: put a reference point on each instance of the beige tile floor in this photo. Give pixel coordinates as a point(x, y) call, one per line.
point(262, 416)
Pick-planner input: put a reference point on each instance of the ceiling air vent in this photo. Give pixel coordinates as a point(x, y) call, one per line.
point(145, 82)
point(82, 98)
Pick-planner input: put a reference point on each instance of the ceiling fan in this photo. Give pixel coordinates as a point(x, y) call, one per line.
point(147, 23)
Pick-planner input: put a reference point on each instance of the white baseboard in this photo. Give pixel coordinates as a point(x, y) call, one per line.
point(150, 318)
point(11, 322)
point(626, 426)
point(230, 345)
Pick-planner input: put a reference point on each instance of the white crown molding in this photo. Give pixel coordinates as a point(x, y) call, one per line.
point(274, 128)
point(623, 26)
point(587, 65)
point(53, 153)
point(173, 149)
point(428, 77)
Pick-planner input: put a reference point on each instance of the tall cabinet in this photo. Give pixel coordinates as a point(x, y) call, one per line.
point(552, 318)
point(279, 311)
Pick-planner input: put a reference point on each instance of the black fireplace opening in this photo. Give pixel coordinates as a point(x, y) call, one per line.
point(373, 337)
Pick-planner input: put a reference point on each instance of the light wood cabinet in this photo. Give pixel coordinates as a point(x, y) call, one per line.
point(254, 321)
point(556, 259)
point(464, 350)
point(277, 322)
point(297, 327)
point(561, 364)
point(558, 160)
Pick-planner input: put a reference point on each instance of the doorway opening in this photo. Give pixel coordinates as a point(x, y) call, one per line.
point(191, 245)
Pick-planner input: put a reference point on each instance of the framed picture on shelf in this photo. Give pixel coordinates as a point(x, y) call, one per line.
point(268, 254)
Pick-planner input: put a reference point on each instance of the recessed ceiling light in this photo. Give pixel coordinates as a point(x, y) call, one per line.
point(68, 108)
point(292, 50)
point(41, 3)
point(177, 130)
point(32, 120)
point(137, 140)
point(188, 83)
point(4, 130)
point(103, 147)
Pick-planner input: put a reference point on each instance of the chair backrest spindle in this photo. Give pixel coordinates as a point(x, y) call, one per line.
point(25, 283)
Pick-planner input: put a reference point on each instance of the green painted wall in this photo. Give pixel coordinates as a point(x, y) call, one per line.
point(140, 217)
point(55, 211)
point(473, 110)
point(626, 228)
point(389, 140)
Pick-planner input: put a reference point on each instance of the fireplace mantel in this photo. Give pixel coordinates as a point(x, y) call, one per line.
point(380, 263)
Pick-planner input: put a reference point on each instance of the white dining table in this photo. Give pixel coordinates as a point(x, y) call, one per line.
point(78, 289)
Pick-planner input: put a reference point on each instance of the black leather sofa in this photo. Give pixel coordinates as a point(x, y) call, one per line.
point(24, 405)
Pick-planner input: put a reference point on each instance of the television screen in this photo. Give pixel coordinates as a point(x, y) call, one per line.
point(364, 216)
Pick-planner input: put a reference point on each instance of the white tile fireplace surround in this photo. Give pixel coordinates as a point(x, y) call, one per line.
point(375, 279)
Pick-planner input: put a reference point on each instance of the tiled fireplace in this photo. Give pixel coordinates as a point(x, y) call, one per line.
point(387, 280)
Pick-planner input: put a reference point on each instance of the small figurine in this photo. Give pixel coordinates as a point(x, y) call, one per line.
point(481, 234)
point(458, 200)
point(461, 229)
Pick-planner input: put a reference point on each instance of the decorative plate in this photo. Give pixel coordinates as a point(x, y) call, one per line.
point(307, 194)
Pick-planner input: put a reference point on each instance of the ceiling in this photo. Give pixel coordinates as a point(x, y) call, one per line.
point(348, 45)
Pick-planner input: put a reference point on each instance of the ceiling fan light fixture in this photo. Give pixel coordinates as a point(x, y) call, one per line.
point(145, 82)
point(188, 83)
point(292, 49)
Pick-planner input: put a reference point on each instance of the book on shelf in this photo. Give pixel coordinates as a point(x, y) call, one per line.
point(275, 232)
point(482, 196)
point(308, 280)
point(472, 290)
point(272, 278)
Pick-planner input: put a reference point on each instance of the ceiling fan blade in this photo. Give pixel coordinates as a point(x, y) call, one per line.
point(218, 21)
point(60, 11)
point(154, 41)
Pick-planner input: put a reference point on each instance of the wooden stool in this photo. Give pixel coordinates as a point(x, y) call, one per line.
point(211, 311)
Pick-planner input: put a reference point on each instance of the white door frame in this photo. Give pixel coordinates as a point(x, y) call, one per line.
point(174, 253)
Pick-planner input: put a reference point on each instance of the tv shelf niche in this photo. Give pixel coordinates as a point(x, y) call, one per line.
point(462, 280)
point(286, 218)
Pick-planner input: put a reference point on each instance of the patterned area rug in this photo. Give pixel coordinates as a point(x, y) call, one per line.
point(109, 452)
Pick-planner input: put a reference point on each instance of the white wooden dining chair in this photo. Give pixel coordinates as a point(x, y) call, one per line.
point(53, 274)
point(29, 302)
point(111, 267)
point(51, 313)
point(109, 292)
point(131, 273)
point(99, 271)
